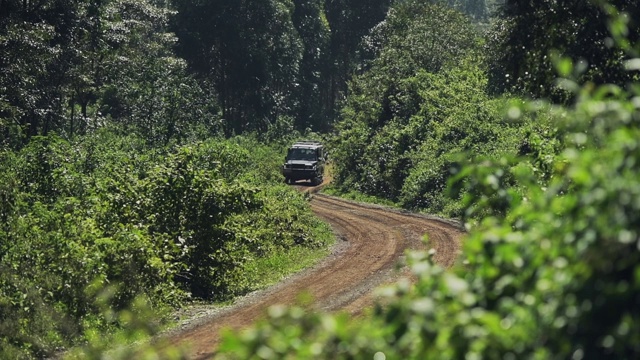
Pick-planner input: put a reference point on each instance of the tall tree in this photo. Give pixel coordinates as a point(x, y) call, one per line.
point(476, 9)
point(251, 52)
point(273, 58)
point(380, 123)
point(527, 34)
point(350, 21)
point(145, 87)
point(34, 62)
point(71, 66)
point(311, 23)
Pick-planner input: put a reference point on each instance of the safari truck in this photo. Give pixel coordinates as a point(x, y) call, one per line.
point(305, 160)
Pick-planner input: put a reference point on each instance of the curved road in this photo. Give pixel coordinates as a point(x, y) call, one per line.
point(371, 240)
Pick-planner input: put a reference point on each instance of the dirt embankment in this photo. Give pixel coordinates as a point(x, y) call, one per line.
point(371, 241)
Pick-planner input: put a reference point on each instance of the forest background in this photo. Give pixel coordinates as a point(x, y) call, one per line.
point(140, 142)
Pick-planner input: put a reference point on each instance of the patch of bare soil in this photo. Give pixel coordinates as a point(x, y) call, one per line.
point(371, 241)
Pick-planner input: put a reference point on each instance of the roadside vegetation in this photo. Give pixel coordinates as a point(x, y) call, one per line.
point(208, 220)
point(420, 113)
point(140, 143)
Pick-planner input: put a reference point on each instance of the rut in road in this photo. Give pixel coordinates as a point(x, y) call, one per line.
point(371, 240)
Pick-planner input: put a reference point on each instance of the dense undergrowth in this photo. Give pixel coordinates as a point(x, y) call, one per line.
point(419, 114)
point(195, 221)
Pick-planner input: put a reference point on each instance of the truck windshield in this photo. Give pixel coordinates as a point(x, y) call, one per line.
point(301, 154)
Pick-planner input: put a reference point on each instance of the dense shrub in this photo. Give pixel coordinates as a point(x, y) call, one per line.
point(164, 224)
point(460, 122)
point(410, 158)
point(416, 107)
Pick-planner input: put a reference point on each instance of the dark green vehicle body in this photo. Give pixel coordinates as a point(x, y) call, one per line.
point(305, 160)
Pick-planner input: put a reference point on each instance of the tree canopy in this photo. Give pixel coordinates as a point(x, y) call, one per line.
point(530, 35)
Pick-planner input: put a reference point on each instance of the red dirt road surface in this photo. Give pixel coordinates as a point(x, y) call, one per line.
point(371, 241)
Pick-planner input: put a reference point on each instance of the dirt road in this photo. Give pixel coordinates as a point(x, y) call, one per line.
point(371, 241)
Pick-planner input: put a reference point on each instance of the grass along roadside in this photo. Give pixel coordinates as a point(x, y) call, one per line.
point(264, 272)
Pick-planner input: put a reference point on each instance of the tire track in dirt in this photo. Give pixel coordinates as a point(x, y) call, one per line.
point(371, 241)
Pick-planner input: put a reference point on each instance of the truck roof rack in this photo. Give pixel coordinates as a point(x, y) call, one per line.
point(307, 142)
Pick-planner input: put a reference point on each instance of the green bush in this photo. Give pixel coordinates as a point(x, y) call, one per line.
point(386, 118)
point(162, 224)
point(410, 159)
